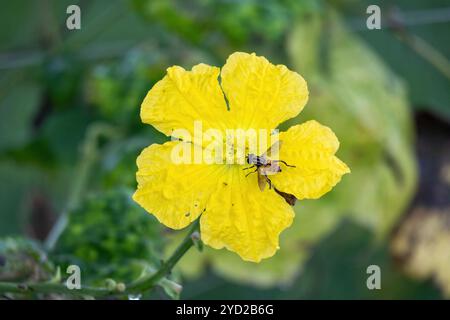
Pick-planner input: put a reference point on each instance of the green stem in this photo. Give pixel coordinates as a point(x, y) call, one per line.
point(148, 283)
point(52, 288)
point(139, 286)
point(89, 155)
point(420, 46)
point(427, 52)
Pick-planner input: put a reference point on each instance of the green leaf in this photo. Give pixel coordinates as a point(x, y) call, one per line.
point(23, 260)
point(110, 236)
point(63, 131)
point(356, 94)
point(427, 86)
point(18, 106)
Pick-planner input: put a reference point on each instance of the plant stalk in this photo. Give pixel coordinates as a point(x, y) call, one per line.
point(138, 286)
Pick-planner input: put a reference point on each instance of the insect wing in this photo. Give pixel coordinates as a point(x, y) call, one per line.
point(274, 148)
point(261, 180)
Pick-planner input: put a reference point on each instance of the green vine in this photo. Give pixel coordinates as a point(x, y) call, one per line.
point(89, 156)
point(137, 287)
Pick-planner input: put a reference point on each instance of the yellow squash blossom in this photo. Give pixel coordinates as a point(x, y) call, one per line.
point(251, 93)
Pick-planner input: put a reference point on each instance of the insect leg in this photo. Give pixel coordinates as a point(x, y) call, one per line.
point(268, 181)
point(284, 162)
point(256, 170)
point(249, 167)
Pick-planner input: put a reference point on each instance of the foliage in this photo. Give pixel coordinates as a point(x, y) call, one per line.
point(110, 236)
point(402, 57)
point(23, 260)
point(422, 244)
point(55, 85)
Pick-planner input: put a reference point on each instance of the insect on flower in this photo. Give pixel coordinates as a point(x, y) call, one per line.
point(265, 166)
point(236, 209)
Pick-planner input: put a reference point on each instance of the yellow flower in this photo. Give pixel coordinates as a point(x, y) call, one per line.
point(234, 213)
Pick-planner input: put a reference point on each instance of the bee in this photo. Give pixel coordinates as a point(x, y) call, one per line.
point(264, 166)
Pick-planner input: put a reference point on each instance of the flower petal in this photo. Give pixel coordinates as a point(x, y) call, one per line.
point(260, 94)
point(175, 193)
point(183, 97)
point(310, 147)
point(244, 219)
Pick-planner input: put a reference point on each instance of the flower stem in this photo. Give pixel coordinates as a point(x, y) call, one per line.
point(89, 156)
point(148, 283)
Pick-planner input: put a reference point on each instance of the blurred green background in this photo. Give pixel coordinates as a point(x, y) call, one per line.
point(70, 133)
